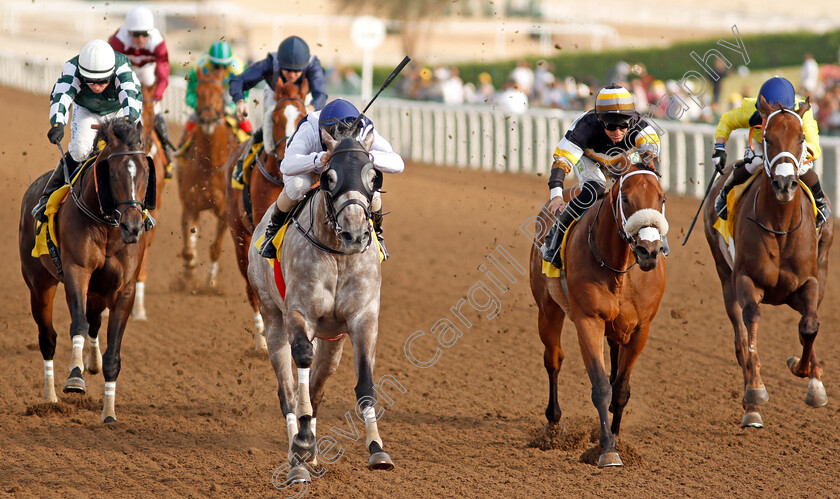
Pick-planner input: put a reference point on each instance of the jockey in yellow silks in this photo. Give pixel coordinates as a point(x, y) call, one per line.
point(776, 91)
point(600, 138)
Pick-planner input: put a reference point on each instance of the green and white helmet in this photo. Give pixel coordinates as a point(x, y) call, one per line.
point(220, 53)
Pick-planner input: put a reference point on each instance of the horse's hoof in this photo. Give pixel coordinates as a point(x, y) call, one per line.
point(756, 396)
point(380, 461)
point(752, 420)
point(816, 396)
point(609, 459)
point(109, 419)
point(74, 385)
point(139, 316)
point(298, 474)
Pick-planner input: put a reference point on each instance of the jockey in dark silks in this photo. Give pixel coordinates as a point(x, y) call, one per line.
point(291, 63)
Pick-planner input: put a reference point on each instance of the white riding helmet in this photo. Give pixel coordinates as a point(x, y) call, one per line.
point(140, 19)
point(96, 60)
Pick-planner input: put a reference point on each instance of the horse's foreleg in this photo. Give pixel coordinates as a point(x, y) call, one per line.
point(755, 394)
point(300, 332)
point(76, 281)
point(190, 231)
point(805, 302)
point(550, 324)
point(622, 360)
point(324, 365)
point(93, 361)
point(138, 313)
point(41, 302)
point(590, 337)
point(364, 356)
point(117, 320)
point(216, 250)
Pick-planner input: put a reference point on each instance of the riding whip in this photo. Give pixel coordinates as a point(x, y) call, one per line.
point(694, 220)
point(388, 81)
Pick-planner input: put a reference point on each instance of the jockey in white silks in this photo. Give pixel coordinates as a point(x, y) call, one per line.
point(306, 158)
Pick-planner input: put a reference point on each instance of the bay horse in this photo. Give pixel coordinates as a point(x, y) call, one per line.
point(787, 259)
point(331, 266)
point(102, 241)
point(154, 149)
point(612, 287)
point(201, 173)
point(264, 185)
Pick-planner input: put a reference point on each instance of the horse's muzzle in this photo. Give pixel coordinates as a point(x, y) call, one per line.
point(647, 254)
point(355, 241)
point(131, 225)
point(784, 187)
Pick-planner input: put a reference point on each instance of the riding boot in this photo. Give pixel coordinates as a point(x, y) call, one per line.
point(819, 196)
point(551, 248)
point(377, 228)
point(267, 249)
point(740, 174)
point(56, 181)
point(162, 131)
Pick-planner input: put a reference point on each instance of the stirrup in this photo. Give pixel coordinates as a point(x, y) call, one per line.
point(267, 250)
point(550, 249)
point(239, 171)
point(39, 212)
point(385, 253)
point(720, 207)
point(823, 212)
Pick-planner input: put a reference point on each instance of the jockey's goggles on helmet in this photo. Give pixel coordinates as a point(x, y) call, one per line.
point(97, 81)
point(139, 34)
point(615, 126)
point(218, 66)
point(613, 122)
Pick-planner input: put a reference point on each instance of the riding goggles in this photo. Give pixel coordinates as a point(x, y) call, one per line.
point(139, 34)
point(616, 126)
point(97, 81)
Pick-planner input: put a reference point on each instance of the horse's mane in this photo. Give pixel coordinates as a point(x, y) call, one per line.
point(124, 131)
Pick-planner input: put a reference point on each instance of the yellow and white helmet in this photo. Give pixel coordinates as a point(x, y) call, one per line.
point(96, 61)
point(614, 104)
point(139, 19)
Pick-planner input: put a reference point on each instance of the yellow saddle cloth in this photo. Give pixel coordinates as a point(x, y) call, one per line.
point(550, 270)
point(241, 135)
point(727, 227)
point(247, 165)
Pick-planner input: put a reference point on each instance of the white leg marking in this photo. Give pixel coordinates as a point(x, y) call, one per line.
point(108, 405)
point(76, 358)
point(370, 427)
point(49, 382)
point(139, 310)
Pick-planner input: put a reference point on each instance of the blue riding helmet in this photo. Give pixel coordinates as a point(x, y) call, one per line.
point(293, 54)
point(778, 91)
point(338, 110)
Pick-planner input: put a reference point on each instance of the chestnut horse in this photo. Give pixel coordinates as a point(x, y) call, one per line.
point(154, 149)
point(201, 173)
point(787, 259)
point(611, 287)
point(264, 185)
point(102, 241)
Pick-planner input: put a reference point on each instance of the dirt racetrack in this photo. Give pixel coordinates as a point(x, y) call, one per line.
point(198, 412)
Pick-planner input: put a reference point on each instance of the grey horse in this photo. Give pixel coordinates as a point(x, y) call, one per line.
point(331, 267)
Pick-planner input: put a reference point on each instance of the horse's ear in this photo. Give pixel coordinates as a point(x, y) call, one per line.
point(328, 140)
point(804, 107)
point(367, 142)
point(763, 107)
point(139, 125)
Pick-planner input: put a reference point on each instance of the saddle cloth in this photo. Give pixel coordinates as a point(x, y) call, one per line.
point(727, 227)
point(550, 270)
point(278, 243)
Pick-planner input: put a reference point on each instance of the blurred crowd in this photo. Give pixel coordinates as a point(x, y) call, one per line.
point(538, 86)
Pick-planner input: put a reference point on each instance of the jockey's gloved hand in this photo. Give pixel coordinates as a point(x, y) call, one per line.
point(752, 159)
point(56, 133)
point(719, 157)
point(241, 109)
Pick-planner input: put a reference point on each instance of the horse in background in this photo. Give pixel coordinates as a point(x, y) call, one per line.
point(263, 185)
point(102, 243)
point(201, 174)
point(785, 261)
point(330, 262)
point(154, 150)
point(611, 287)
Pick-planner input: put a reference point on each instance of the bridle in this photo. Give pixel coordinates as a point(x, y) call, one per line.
point(105, 219)
point(620, 221)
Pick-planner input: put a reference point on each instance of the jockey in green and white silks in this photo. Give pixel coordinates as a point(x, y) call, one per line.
point(600, 138)
point(305, 159)
point(99, 84)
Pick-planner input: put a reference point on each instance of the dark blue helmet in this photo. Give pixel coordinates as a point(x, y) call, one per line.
point(338, 110)
point(778, 91)
point(293, 54)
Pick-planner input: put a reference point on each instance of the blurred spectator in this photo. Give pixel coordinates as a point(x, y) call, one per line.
point(543, 80)
point(511, 99)
point(523, 76)
point(640, 96)
point(809, 77)
point(485, 90)
point(452, 87)
point(722, 72)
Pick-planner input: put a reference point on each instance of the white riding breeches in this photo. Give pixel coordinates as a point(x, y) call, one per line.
point(297, 186)
point(81, 133)
point(590, 171)
point(269, 101)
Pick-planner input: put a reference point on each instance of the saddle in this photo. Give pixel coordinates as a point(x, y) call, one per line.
point(550, 270)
